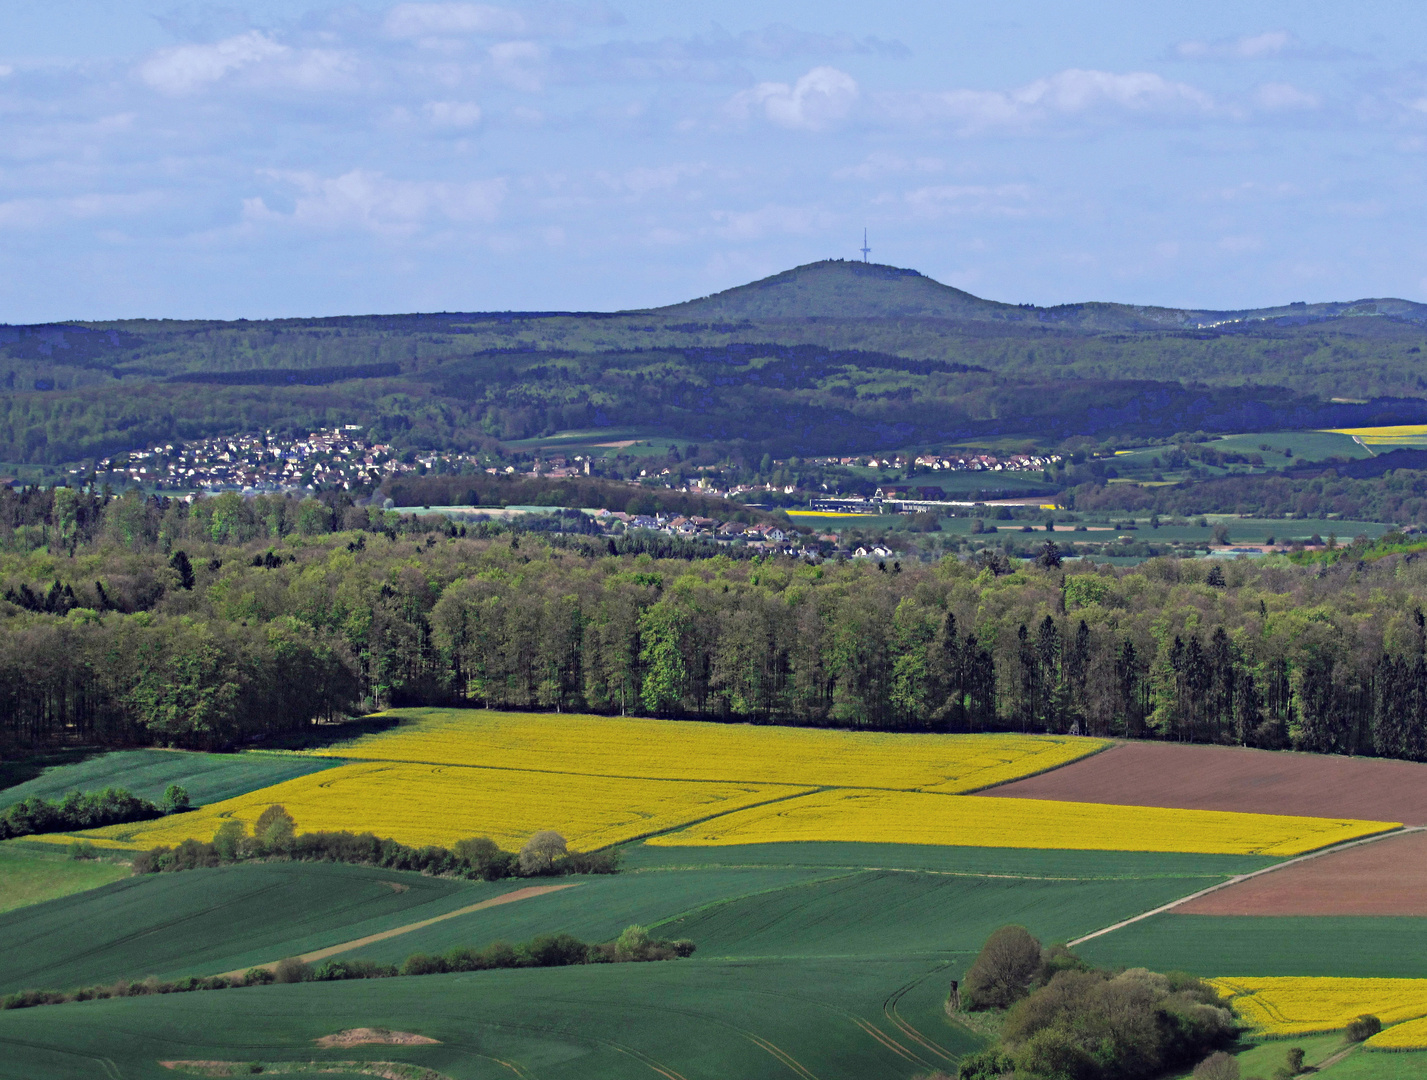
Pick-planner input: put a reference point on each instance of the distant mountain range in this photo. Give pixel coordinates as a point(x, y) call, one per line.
point(839, 289)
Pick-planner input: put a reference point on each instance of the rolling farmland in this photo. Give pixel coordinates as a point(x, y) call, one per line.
point(832, 883)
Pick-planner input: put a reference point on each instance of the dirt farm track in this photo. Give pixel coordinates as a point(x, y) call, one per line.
point(1234, 778)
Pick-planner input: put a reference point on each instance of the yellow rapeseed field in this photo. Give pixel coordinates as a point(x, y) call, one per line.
point(1409, 1036)
point(1401, 435)
point(741, 753)
point(1298, 1006)
point(440, 804)
point(899, 817)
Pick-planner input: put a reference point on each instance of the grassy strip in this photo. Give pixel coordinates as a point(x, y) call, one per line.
point(545, 950)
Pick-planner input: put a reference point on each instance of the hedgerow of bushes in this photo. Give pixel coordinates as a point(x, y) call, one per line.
point(86, 810)
point(275, 836)
point(545, 950)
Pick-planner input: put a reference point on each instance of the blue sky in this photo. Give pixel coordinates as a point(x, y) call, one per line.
point(301, 158)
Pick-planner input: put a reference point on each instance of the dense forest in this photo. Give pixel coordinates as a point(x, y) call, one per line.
point(132, 621)
point(762, 378)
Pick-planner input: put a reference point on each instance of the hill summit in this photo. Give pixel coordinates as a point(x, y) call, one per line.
point(847, 289)
point(842, 289)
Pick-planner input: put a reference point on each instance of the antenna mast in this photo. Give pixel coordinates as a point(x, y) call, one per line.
point(865, 249)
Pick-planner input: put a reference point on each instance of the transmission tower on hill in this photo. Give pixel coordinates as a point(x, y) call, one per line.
point(865, 249)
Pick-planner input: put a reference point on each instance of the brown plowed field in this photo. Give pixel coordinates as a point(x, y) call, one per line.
point(1387, 877)
point(1232, 778)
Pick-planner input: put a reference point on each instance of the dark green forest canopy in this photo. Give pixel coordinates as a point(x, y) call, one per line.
point(233, 621)
point(830, 358)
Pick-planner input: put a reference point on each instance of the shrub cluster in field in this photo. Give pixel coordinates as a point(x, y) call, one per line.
point(275, 836)
point(86, 810)
point(1068, 1021)
point(544, 950)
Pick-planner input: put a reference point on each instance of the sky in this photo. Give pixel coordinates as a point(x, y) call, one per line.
point(298, 158)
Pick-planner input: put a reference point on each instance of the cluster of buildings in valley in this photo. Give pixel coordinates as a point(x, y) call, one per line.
point(339, 457)
point(952, 462)
point(769, 538)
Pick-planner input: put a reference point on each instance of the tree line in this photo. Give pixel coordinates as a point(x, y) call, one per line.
point(228, 622)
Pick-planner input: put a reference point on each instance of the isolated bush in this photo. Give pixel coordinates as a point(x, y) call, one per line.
point(989, 1064)
point(555, 950)
point(83, 849)
point(275, 830)
point(423, 964)
point(593, 862)
point(291, 970)
point(1217, 1066)
point(1004, 970)
point(229, 838)
point(484, 858)
point(175, 799)
point(353, 969)
point(1364, 1027)
point(540, 852)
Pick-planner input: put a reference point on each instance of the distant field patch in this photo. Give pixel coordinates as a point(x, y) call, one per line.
point(28, 876)
point(739, 753)
point(1401, 435)
point(207, 778)
point(1232, 778)
point(1388, 877)
point(440, 804)
point(890, 817)
point(1298, 1006)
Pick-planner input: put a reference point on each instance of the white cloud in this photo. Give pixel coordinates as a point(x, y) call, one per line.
point(880, 164)
point(455, 114)
point(772, 221)
point(1277, 97)
point(641, 181)
point(816, 101)
point(437, 20)
point(18, 214)
point(1263, 46)
point(371, 201)
point(1001, 200)
point(517, 64)
point(1071, 93)
point(185, 68)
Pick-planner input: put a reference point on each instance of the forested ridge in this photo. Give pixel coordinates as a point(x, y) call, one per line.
point(134, 621)
point(788, 385)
